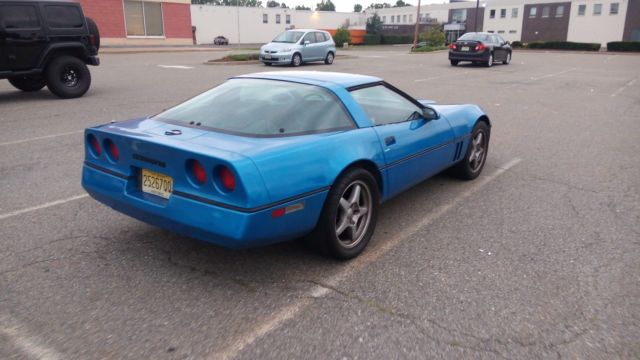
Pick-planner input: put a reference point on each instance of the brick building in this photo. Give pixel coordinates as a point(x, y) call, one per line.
point(134, 22)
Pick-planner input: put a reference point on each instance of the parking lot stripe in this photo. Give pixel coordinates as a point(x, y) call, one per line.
point(40, 138)
point(27, 344)
point(621, 89)
point(324, 286)
point(42, 206)
point(441, 76)
point(533, 78)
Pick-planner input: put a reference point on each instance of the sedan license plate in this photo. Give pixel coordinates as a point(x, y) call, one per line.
point(156, 183)
point(464, 48)
point(267, 56)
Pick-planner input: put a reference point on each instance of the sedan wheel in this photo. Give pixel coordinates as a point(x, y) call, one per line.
point(471, 165)
point(296, 60)
point(507, 60)
point(490, 61)
point(349, 215)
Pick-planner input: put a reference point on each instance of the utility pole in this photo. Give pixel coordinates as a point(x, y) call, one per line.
point(415, 34)
point(475, 23)
point(238, 19)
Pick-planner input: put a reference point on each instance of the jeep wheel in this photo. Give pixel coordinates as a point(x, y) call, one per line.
point(68, 77)
point(27, 83)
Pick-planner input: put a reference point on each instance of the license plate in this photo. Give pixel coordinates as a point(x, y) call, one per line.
point(156, 183)
point(267, 56)
point(464, 48)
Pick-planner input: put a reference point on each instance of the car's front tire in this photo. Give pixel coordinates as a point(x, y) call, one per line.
point(68, 77)
point(349, 215)
point(473, 162)
point(296, 60)
point(28, 83)
point(454, 62)
point(329, 58)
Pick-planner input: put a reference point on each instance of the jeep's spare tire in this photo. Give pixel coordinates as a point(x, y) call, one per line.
point(93, 30)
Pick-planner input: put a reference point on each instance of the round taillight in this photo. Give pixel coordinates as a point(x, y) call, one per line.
point(112, 150)
point(94, 145)
point(198, 172)
point(227, 179)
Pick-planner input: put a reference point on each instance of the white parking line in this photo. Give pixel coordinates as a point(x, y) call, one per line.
point(317, 291)
point(42, 206)
point(533, 78)
point(26, 343)
point(620, 90)
point(176, 67)
point(441, 76)
point(40, 138)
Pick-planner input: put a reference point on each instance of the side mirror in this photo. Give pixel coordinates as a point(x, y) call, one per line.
point(430, 114)
point(507, 43)
point(307, 42)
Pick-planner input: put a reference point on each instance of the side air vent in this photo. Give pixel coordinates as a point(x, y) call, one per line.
point(458, 151)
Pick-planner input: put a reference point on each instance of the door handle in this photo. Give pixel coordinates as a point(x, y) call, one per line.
point(390, 140)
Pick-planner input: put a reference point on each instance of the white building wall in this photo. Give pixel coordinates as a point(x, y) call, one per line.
point(509, 27)
point(211, 21)
point(601, 28)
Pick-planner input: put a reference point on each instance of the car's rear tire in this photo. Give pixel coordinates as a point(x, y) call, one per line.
point(268, 64)
point(93, 30)
point(296, 60)
point(473, 162)
point(489, 62)
point(68, 77)
point(349, 216)
point(507, 60)
point(329, 58)
point(28, 83)
point(454, 62)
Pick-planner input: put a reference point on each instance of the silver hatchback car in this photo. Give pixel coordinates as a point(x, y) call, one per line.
point(298, 46)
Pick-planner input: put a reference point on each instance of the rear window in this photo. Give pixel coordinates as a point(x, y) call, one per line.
point(63, 17)
point(475, 37)
point(262, 108)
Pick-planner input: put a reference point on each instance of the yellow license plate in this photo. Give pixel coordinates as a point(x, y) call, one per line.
point(156, 183)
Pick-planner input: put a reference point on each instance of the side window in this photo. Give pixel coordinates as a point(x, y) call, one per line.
point(64, 17)
point(320, 37)
point(19, 17)
point(385, 106)
point(310, 37)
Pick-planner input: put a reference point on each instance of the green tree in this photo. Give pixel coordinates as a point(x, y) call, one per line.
point(284, 6)
point(379, 6)
point(401, 3)
point(302, 7)
point(374, 24)
point(357, 8)
point(273, 4)
point(342, 36)
point(434, 36)
point(325, 5)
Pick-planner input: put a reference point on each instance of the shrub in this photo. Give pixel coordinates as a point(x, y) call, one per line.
point(241, 57)
point(372, 39)
point(342, 36)
point(516, 44)
point(397, 39)
point(434, 36)
point(564, 45)
point(429, 48)
point(623, 46)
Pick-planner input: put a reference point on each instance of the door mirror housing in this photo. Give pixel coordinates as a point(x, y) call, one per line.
point(306, 42)
point(430, 114)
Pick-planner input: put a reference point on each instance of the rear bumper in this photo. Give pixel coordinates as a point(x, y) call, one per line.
point(466, 56)
point(203, 221)
point(93, 60)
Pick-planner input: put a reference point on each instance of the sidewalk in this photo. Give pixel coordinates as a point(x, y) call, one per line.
point(113, 49)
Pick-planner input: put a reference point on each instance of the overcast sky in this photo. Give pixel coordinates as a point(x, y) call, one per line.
point(347, 5)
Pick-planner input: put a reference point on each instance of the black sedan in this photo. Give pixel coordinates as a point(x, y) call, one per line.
point(220, 40)
point(480, 47)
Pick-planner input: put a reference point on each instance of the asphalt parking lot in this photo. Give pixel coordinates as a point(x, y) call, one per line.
point(537, 258)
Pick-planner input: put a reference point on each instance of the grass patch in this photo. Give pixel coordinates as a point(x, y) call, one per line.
point(429, 48)
point(241, 57)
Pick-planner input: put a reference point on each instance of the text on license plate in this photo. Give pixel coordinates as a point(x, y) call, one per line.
point(464, 48)
point(156, 183)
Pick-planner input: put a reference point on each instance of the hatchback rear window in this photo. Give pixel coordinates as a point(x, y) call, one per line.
point(63, 17)
point(262, 108)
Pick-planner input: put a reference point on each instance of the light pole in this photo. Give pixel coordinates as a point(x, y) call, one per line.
point(415, 33)
point(475, 23)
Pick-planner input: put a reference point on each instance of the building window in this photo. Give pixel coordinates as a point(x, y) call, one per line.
point(514, 12)
point(20, 17)
point(545, 11)
point(265, 18)
point(143, 18)
point(503, 13)
point(288, 19)
point(512, 31)
point(500, 31)
point(597, 9)
point(533, 12)
point(560, 11)
point(277, 18)
point(582, 9)
point(384, 19)
point(459, 15)
point(491, 31)
point(492, 14)
point(392, 17)
point(613, 9)
point(410, 19)
point(404, 18)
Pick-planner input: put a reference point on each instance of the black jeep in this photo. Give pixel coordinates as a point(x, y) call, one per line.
point(47, 42)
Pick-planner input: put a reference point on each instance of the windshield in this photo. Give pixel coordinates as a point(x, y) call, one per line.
point(262, 108)
point(288, 37)
point(475, 37)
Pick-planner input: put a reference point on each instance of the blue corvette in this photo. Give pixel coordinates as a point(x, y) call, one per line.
point(268, 157)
